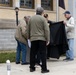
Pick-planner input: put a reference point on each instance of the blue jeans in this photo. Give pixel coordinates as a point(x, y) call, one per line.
point(70, 52)
point(21, 49)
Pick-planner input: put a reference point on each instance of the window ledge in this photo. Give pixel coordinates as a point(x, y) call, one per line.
point(12, 8)
point(48, 11)
point(2, 7)
point(25, 9)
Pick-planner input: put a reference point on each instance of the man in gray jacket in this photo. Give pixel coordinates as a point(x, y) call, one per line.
point(69, 25)
point(39, 35)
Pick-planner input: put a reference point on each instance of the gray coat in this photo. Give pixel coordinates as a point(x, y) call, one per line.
point(38, 29)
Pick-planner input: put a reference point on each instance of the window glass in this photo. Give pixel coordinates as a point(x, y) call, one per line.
point(27, 3)
point(5, 2)
point(47, 4)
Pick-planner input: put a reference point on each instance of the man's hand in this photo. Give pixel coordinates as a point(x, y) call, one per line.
point(64, 23)
point(47, 43)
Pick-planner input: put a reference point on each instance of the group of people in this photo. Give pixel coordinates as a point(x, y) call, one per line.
point(36, 29)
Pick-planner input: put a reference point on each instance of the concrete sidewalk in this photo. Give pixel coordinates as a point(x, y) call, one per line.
point(56, 67)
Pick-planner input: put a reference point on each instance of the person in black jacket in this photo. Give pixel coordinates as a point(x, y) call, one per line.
point(49, 24)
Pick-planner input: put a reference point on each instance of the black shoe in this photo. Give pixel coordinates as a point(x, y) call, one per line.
point(25, 63)
point(32, 70)
point(17, 62)
point(48, 57)
point(66, 59)
point(70, 59)
point(45, 71)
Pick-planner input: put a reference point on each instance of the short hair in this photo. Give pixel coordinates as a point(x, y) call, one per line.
point(45, 15)
point(26, 17)
point(39, 10)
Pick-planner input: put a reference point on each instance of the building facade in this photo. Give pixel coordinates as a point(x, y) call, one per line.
point(29, 6)
point(26, 8)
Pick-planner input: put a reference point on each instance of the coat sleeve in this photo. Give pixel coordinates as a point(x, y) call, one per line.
point(28, 30)
point(46, 31)
point(71, 24)
point(23, 29)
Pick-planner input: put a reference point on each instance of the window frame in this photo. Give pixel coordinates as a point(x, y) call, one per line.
point(24, 6)
point(51, 6)
point(5, 4)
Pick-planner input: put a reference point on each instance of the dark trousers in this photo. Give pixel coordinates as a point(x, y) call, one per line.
point(48, 51)
point(38, 58)
point(38, 46)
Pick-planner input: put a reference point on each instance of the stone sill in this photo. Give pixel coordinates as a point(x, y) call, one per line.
point(7, 24)
point(25, 9)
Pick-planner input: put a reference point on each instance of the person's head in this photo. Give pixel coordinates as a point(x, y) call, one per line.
point(26, 18)
point(39, 11)
point(67, 14)
point(46, 16)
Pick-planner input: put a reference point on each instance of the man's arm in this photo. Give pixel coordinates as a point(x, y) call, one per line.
point(22, 28)
point(28, 30)
point(71, 25)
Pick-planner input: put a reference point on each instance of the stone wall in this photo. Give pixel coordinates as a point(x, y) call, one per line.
point(7, 31)
point(7, 40)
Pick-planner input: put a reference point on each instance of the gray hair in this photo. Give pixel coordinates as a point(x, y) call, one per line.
point(39, 10)
point(27, 17)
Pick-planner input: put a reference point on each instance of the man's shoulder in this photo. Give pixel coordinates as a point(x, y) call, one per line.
point(72, 18)
point(37, 16)
point(22, 22)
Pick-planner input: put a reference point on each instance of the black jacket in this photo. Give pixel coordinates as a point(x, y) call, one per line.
point(58, 41)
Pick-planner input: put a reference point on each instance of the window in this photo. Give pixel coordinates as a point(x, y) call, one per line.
point(5, 2)
point(27, 4)
point(47, 4)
